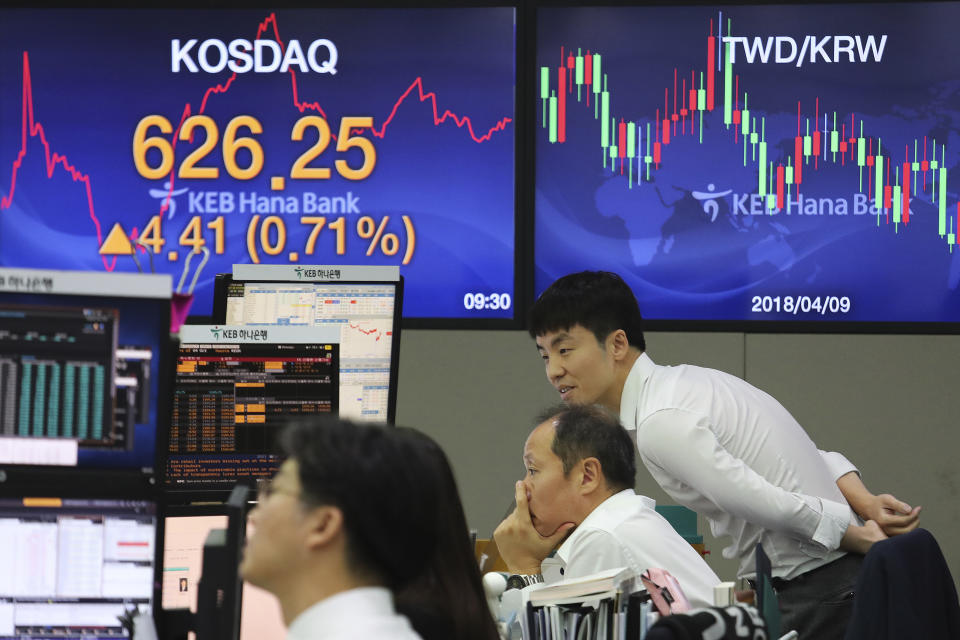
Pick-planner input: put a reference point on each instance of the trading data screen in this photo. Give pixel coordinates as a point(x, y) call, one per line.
point(72, 566)
point(364, 316)
point(232, 397)
point(80, 374)
point(57, 373)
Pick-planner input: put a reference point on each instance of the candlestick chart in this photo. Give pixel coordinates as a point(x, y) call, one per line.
point(728, 160)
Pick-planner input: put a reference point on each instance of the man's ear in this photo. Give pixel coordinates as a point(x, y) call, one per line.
point(324, 524)
point(618, 344)
point(591, 478)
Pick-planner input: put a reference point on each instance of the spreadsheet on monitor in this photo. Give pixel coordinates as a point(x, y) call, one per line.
point(74, 565)
point(364, 314)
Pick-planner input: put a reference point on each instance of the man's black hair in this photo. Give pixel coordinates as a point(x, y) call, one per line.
point(590, 431)
point(388, 504)
point(599, 301)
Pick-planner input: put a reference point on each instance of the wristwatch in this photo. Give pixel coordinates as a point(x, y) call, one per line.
point(521, 580)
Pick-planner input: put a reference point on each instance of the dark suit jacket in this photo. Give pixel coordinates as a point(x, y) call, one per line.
point(905, 590)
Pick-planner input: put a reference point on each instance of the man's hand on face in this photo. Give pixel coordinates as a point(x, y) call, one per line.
point(521, 546)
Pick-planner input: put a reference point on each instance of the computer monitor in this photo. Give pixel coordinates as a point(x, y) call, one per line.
point(90, 150)
point(84, 368)
point(235, 388)
point(218, 592)
point(372, 133)
point(73, 565)
point(186, 527)
point(363, 303)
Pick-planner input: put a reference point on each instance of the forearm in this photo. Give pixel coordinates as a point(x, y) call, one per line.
point(858, 496)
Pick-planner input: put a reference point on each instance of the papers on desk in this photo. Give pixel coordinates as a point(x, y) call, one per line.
point(607, 605)
point(602, 582)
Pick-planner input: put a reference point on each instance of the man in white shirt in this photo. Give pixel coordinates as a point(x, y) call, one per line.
point(579, 481)
point(723, 448)
point(342, 522)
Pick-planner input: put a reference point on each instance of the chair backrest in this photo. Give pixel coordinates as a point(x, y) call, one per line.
point(766, 597)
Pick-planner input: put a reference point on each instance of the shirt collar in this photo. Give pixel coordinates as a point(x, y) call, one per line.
point(339, 609)
point(607, 515)
point(640, 372)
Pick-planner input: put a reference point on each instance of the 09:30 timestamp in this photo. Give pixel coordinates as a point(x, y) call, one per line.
point(486, 301)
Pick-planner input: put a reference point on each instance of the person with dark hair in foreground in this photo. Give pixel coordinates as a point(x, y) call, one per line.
point(346, 520)
point(446, 600)
point(723, 448)
point(579, 481)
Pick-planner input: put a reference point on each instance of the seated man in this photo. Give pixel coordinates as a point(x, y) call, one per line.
point(579, 481)
point(345, 520)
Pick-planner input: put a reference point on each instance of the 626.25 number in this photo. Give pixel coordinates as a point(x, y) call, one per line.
point(232, 143)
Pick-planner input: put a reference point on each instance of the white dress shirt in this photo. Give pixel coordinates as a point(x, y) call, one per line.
point(625, 531)
point(367, 612)
point(734, 454)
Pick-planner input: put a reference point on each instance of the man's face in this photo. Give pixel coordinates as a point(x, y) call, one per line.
point(275, 546)
point(578, 366)
point(550, 495)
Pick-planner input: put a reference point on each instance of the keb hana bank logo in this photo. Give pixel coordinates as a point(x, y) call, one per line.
point(755, 204)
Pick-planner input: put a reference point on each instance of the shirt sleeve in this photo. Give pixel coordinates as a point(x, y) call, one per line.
point(838, 464)
point(681, 446)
